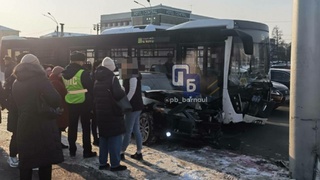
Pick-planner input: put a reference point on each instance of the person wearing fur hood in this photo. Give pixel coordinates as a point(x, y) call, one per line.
point(37, 136)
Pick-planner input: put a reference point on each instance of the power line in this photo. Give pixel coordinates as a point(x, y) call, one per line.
point(78, 27)
point(39, 32)
point(278, 21)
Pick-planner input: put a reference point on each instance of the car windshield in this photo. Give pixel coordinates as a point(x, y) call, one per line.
point(155, 81)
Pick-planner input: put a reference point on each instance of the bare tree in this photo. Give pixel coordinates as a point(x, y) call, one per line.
point(279, 48)
point(277, 35)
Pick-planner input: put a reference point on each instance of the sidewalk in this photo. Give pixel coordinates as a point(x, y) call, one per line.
point(72, 169)
point(162, 161)
point(60, 172)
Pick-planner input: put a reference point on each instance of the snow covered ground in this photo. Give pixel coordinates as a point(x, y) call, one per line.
point(166, 160)
point(169, 161)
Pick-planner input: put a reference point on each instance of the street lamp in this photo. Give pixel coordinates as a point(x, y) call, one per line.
point(54, 20)
point(146, 8)
point(139, 4)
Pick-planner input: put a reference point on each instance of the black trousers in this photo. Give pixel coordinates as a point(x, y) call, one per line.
point(13, 145)
point(94, 127)
point(44, 173)
point(77, 111)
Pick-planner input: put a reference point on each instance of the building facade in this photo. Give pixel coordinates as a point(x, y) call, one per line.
point(4, 31)
point(157, 15)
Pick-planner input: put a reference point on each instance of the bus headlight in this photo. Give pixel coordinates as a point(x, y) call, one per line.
point(168, 134)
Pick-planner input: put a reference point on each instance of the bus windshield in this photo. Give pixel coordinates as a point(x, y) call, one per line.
point(246, 68)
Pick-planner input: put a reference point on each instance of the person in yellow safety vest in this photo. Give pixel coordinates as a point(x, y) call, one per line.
point(80, 102)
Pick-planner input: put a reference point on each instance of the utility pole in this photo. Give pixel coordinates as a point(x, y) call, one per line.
point(304, 134)
point(277, 43)
point(96, 27)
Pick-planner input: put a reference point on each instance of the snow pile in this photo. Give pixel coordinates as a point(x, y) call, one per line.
point(189, 164)
point(238, 166)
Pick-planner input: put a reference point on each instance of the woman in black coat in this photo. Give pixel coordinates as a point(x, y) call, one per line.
point(110, 118)
point(37, 136)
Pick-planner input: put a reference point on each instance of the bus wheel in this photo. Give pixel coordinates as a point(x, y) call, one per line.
point(147, 128)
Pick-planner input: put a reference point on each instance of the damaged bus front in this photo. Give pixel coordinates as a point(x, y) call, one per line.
point(246, 87)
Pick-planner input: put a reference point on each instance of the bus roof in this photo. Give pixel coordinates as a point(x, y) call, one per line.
point(133, 29)
point(12, 38)
point(201, 23)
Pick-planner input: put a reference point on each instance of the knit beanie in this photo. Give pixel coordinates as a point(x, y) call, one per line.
point(77, 56)
point(108, 63)
point(57, 70)
point(30, 58)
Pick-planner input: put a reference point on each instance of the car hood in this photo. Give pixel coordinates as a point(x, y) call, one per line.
point(279, 86)
point(166, 91)
point(164, 96)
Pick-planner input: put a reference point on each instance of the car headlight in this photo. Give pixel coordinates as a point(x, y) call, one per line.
point(276, 92)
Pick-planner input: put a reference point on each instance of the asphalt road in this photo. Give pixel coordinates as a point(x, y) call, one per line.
point(269, 141)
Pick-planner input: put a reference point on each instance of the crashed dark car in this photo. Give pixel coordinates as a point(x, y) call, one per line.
point(166, 115)
point(280, 75)
point(279, 94)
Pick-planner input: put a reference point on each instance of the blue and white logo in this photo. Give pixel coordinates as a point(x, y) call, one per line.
point(181, 77)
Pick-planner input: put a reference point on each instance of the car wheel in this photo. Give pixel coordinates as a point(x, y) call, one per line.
point(276, 106)
point(279, 104)
point(147, 128)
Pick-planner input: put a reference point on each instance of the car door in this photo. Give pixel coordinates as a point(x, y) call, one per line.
point(281, 77)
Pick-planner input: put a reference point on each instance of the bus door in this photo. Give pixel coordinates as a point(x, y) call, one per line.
point(207, 62)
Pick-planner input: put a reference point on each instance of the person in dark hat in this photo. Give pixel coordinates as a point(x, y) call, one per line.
point(9, 64)
point(80, 102)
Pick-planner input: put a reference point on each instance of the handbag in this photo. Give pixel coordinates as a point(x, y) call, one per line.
point(124, 103)
point(46, 111)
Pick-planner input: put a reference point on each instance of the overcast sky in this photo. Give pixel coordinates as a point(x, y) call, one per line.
point(80, 15)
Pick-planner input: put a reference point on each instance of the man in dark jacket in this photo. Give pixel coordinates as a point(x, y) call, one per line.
point(9, 64)
point(110, 118)
point(88, 67)
point(37, 135)
point(12, 119)
point(79, 99)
